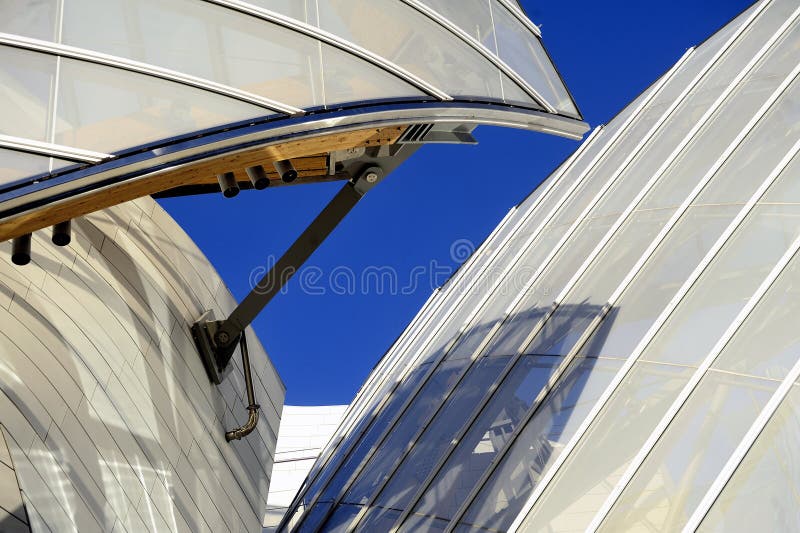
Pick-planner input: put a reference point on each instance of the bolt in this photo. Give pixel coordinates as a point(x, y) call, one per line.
point(371, 177)
point(223, 337)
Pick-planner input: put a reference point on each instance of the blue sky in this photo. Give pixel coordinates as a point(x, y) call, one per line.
point(324, 345)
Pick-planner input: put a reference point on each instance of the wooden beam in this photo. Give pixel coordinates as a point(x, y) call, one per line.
point(310, 151)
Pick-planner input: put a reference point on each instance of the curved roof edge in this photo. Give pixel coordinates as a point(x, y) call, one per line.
point(38, 203)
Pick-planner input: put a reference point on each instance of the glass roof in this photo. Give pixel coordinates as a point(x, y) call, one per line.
point(116, 75)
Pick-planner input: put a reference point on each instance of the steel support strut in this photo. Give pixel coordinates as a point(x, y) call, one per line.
point(216, 340)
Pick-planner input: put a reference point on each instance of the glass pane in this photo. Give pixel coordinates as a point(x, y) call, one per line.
point(725, 287)
point(231, 48)
point(598, 461)
point(349, 79)
point(340, 519)
point(539, 298)
point(410, 39)
point(422, 408)
point(35, 19)
point(524, 53)
point(106, 109)
point(203, 40)
point(302, 10)
point(428, 397)
point(678, 471)
point(432, 444)
point(25, 81)
point(472, 16)
point(540, 443)
point(509, 288)
point(659, 280)
point(767, 344)
point(764, 492)
point(595, 287)
point(379, 519)
point(774, 136)
point(495, 425)
point(381, 420)
point(15, 165)
point(711, 141)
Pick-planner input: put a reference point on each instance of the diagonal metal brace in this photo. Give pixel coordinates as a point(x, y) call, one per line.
point(216, 340)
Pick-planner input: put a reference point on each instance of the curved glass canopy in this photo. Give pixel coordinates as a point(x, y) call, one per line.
point(100, 94)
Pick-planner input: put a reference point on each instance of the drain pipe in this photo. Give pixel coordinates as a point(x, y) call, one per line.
point(252, 420)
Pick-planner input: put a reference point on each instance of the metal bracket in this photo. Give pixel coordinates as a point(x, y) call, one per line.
point(215, 356)
point(216, 340)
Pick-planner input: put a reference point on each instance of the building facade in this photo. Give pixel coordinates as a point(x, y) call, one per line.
point(110, 419)
point(622, 352)
point(304, 432)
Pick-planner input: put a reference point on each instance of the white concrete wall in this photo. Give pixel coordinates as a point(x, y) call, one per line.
point(303, 433)
point(110, 419)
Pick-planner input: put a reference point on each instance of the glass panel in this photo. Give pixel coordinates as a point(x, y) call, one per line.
point(35, 19)
point(428, 397)
point(410, 39)
point(539, 298)
point(350, 79)
point(764, 492)
point(540, 443)
point(455, 411)
point(768, 342)
point(524, 53)
point(488, 434)
point(710, 142)
point(25, 81)
point(686, 460)
point(662, 276)
point(15, 165)
point(725, 287)
point(598, 461)
point(775, 134)
point(379, 519)
point(381, 420)
point(432, 444)
point(508, 289)
point(340, 519)
point(107, 109)
point(302, 10)
point(596, 286)
point(472, 16)
point(316, 514)
point(228, 47)
point(513, 94)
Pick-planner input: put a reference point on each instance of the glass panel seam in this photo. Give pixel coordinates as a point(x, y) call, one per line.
point(663, 424)
point(476, 412)
point(80, 54)
point(485, 52)
point(335, 41)
point(453, 308)
point(743, 448)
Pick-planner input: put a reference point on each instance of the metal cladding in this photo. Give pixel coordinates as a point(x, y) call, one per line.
point(101, 92)
point(622, 354)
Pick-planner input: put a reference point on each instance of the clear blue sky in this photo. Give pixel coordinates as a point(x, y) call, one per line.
point(324, 345)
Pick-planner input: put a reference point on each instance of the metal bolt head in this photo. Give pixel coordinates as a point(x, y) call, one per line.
point(223, 337)
point(371, 177)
